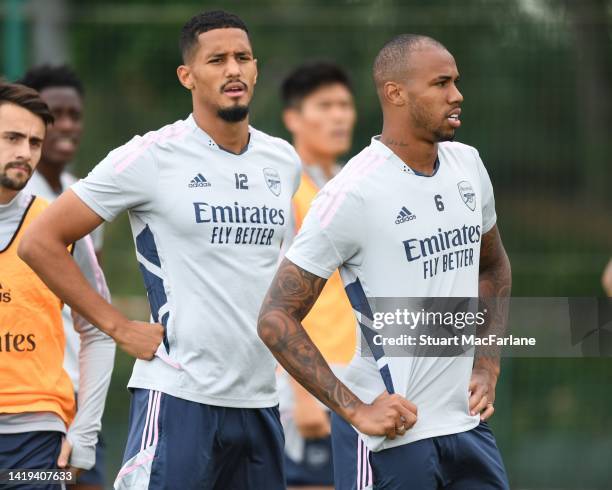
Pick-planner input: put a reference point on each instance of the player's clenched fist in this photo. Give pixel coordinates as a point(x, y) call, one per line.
point(388, 415)
point(140, 339)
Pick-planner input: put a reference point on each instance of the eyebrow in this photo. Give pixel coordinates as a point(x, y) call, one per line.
point(14, 133)
point(445, 78)
point(35, 139)
point(223, 54)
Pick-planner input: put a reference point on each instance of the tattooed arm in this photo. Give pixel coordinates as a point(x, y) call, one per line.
point(494, 286)
point(292, 294)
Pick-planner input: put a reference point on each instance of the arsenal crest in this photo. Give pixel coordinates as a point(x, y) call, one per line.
point(273, 180)
point(468, 196)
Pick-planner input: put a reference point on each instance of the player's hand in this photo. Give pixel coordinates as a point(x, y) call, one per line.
point(482, 388)
point(140, 339)
point(311, 419)
point(64, 457)
point(388, 415)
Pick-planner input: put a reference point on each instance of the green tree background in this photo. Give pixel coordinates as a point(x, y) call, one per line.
point(537, 81)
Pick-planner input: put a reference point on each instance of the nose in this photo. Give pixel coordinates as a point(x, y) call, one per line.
point(23, 151)
point(340, 113)
point(455, 97)
point(63, 123)
point(232, 67)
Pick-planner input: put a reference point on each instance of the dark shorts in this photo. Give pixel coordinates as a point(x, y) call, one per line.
point(37, 450)
point(464, 461)
point(316, 469)
point(174, 443)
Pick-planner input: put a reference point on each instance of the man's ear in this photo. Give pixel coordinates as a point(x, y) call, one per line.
point(256, 72)
point(394, 94)
point(183, 72)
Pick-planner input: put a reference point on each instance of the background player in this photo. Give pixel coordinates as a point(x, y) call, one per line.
point(319, 112)
point(357, 222)
point(37, 405)
point(606, 279)
point(209, 200)
point(62, 90)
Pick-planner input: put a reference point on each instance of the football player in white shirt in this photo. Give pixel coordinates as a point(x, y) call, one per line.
point(411, 216)
point(209, 201)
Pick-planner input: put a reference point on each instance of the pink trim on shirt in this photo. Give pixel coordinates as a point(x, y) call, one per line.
point(334, 187)
point(161, 353)
point(364, 170)
point(93, 260)
point(137, 148)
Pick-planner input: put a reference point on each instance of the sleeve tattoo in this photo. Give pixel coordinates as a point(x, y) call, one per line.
point(290, 297)
point(494, 286)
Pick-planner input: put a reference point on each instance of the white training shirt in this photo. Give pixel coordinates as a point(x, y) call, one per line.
point(208, 226)
point(375, 221)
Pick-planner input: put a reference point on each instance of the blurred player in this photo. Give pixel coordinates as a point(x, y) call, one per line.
point(37, 405)
point(606, 279)
point(409, 201)
point(320, 115)
point(60, 88)
point(209, 200)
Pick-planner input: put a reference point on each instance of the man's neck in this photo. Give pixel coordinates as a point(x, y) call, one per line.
point(7, 195)
point(230, 136)
point(313, 158)
point(419, 154)
point(52, 174)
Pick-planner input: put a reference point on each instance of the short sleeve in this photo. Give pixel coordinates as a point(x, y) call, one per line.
point(97, 236)
point(328, 237)
point(85, 257)
point(489, 217)
point(125, 179)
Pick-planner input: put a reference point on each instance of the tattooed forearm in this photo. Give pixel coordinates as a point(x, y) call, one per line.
point(495, 283)
point(290, 297)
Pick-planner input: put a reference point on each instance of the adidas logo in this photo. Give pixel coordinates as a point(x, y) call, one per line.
point(404, 215)
point(199, 181)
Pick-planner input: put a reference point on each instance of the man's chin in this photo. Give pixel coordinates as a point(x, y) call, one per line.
point(233, 114)
point(13, 185)
point(442, 136)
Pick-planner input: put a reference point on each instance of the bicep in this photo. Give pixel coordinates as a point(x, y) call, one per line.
point(491, 248)
point(293, 290)
point(67, 219)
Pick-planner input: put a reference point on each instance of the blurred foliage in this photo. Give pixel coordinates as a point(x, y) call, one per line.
point(537, 81)
point(523, 108)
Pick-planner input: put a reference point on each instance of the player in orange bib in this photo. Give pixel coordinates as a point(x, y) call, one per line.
point(319, 112)
point(40, 427)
